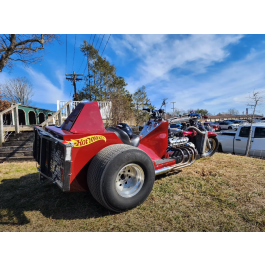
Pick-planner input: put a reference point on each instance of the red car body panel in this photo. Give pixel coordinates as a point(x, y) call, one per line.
point(89, 119)
point(156, 142)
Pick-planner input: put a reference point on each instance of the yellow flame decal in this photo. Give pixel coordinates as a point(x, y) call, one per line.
point(87, 140)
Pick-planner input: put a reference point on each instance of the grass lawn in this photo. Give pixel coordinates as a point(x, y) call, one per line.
point(221, 193)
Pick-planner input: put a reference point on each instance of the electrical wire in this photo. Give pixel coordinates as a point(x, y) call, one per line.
point(90, 38)
point(80, 83)
point(101, 42)
point(93, 40)
point(74, 54)
point(105, 45)
point(81, 64)
point(66, 54)
point(84, 56)
point(97, 41)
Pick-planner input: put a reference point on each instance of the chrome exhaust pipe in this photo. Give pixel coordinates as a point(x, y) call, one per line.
point(190, 161)
point(162, 170)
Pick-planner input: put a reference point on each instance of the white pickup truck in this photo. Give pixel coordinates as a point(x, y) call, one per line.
point(236, 142)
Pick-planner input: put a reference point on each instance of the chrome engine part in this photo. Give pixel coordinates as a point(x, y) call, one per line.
point(190, 144)
point(184, 156)
point(177, 141)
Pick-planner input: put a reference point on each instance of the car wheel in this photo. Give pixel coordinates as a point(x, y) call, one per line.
point(121, 177)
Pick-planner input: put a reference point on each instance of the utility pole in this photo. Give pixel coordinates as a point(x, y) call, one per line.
point(173, 107)
point(74, 79)
point(250, 131)
point(165, 103)
point(257, 99)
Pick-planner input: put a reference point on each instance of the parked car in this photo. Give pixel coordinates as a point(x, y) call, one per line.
point(234, 121)
point(214, 126)
point(227, 125)
point(236, 142)
point(243, 122)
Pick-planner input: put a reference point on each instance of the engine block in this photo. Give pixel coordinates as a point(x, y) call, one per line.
point(177, 141)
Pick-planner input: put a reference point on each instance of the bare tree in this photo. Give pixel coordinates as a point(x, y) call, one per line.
point(233, 111)
point(255, 98)
point(22, 47)
point(18, 90)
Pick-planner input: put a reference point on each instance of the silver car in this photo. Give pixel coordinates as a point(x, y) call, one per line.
point(228, 125)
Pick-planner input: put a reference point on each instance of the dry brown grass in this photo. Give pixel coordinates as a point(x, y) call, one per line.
point(221, 193)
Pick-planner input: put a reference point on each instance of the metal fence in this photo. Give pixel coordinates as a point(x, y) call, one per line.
point(104, 107)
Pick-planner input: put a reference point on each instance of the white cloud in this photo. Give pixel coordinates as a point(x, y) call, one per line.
point(44, 90)
point(3, 77)
point(159, 54)
point(228, 88)
point(160, 57)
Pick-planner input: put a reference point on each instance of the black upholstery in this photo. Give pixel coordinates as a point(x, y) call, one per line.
point(125, 137)
point(121, 134)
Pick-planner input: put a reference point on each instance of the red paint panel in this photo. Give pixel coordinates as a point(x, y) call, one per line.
point(81, 156)
point(149, 151)
point(89, 120)
point(156, 141)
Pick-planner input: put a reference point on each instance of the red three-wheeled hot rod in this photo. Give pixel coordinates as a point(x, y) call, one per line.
point(115, 165)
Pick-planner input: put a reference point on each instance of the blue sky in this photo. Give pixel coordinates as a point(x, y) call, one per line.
point(215, 72)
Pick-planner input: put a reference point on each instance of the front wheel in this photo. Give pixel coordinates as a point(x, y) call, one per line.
point(120, 177)
point(211, 147)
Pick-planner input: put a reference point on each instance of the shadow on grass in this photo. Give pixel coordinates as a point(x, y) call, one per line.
point(28, 194)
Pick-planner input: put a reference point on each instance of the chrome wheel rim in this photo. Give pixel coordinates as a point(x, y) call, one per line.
point(211, 148)
point(129, 180)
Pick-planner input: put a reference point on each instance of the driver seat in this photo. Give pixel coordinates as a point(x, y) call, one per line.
point(125, 137)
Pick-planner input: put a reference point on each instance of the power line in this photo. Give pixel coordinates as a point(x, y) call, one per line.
point(74, 54)
point(105, 45)
point(66, 54)
point(84, 56)
point(81, 64)
point(85, 68)
point(97, 41)
point(74, 78)
point(90, 38)
point(101, 42)
point(93, 40)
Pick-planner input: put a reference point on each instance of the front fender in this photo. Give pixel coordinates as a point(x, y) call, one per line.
point(211, 134)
